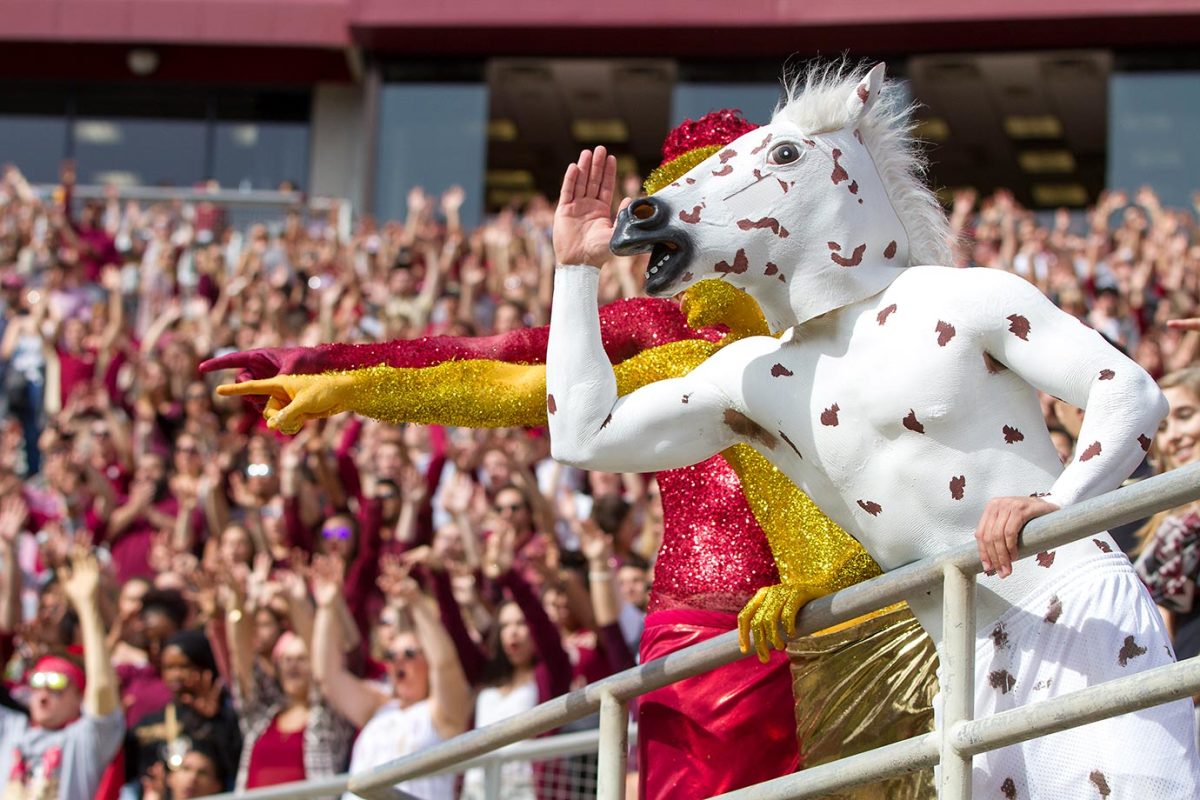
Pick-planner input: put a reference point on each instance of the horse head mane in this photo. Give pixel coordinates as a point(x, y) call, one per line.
point(816, 102)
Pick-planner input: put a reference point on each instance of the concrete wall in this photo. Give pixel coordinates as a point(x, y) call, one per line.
point(339, 142)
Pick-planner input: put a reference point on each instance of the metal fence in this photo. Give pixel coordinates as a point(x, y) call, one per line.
point(953, 745)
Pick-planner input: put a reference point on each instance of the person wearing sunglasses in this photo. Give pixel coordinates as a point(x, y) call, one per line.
point(428, 699)
point(75, 724)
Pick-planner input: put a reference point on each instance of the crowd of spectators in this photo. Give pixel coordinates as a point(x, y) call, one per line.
point(276, 608)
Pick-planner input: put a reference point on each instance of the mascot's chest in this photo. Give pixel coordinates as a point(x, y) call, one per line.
point(877, 375)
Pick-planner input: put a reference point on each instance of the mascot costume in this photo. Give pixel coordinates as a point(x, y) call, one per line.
point(737, 532)
point(901, 398)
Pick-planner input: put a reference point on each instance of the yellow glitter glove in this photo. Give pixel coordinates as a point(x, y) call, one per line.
point(295, 399)
point(770, 606)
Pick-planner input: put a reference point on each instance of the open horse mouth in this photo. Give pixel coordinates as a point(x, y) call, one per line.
point(645, 227)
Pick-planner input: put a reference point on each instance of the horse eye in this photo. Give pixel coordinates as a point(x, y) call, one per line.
point(784, 153)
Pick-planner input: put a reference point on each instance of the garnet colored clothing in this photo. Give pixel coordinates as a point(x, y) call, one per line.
point(277, 757)
point(142, 691)
point(553, 670)
point(687, 731)
point(74, 370)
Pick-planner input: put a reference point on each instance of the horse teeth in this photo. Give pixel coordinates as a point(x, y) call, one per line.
point(654, 270)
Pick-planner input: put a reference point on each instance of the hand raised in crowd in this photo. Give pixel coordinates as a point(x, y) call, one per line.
point(13, 514)
point(499, 552)
point(396, 581)
point(596, 544)
point(453, 198)
point(328, 575)
point(80, 578)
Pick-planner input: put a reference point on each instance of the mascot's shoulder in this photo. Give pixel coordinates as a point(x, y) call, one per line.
point(959, 281)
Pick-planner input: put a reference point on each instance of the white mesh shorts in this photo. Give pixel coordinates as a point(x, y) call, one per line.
point(1095, 624)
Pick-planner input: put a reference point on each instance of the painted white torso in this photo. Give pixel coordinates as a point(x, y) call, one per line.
point(955, 352)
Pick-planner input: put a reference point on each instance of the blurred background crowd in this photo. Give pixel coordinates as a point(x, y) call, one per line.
point(190, 602)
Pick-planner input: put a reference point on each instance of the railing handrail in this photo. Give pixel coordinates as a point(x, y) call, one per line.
point(541, 749)
point(1132, 502)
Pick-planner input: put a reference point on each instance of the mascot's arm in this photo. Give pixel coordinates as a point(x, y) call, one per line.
point(477, 394)
point(1047, 347)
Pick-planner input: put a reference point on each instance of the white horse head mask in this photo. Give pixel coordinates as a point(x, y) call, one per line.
point(818, 209)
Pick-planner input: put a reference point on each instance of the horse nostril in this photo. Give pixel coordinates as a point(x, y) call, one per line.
point(642, 210)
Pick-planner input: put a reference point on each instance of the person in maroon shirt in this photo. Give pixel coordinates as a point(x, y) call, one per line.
point(148, 509)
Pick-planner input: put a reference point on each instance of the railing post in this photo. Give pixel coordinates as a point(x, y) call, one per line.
point(958, 678)
point(614, 744)
point(491, 780)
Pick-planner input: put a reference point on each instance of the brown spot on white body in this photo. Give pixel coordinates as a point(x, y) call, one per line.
point(1053, 610)
point(945, 332)
point(871, 507)
point(692, 217)
point(1100, 782)
point(1091, 452)
point(829, 417)
point(890, 250)
point(999, 636)
point(883, 315)
point(911, 422)
point(780, 371)
point(1107, 374)
point(839, 172)
point(791, 444)
point(745, 427)
point(766, 222)
point(551, 406)
point(1045, 559)
point(1012, 435)
point(855, 258)
point(1001, 679)
point(958, 485)
point(723, 171)
point(740, 264)
point(1018, 326)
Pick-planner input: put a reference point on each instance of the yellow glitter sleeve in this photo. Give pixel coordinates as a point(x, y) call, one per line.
point(809, 548)
point(476, 393)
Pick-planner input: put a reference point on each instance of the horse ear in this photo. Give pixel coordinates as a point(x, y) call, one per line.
point(864, 95)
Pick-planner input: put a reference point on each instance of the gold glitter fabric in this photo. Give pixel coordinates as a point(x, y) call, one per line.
point(715, 303)
point(663, 176)
point(808, 547)
point(861, 688)
point(488, 394)
point(477, 394)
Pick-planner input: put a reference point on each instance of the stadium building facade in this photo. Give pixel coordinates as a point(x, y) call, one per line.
point(364, 99)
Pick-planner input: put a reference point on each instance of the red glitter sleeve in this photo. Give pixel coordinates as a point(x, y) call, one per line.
point(627, 327)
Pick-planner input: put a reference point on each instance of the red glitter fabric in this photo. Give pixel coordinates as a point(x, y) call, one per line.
point(714, 555)
point(715, 128)
point(627, 328)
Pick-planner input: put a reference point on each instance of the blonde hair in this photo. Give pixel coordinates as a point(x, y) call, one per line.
point(1186, 378)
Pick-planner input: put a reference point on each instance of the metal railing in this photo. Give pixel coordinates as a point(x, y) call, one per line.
point(953, 745)
point(543, 749)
